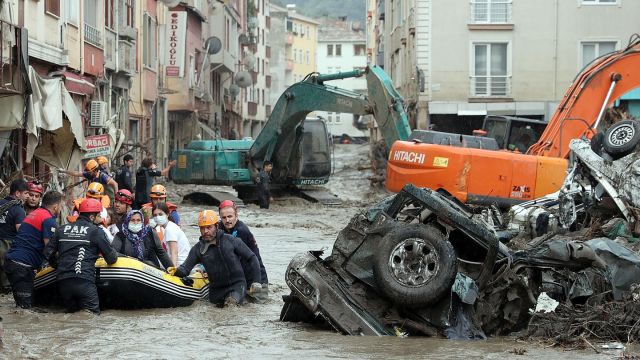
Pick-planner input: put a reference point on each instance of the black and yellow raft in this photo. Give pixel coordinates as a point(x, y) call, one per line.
point(129, 284)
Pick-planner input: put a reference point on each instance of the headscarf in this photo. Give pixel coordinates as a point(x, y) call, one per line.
point(137, 240)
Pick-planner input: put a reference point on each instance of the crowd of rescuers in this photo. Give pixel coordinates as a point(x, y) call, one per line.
point(31, 238)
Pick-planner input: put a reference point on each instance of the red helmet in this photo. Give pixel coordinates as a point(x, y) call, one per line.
point(35, 186)
point(124, 196)
point(90, 205)
point(227, 203)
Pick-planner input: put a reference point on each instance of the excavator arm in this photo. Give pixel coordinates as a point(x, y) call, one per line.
point(601, 82)
point(281, 135)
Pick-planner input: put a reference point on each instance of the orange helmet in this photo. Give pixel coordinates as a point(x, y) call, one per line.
point(208, 217)
point(158, 192)
point(91, 165)
point(102, 160)
point(95, 190)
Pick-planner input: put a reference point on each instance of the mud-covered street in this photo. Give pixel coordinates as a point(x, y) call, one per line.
point(251, 331)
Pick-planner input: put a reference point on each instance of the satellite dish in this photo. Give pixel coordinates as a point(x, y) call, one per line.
point(244, 79)
point(234, 90)
point(213, 44)
point(171, 3)
point(249, 61)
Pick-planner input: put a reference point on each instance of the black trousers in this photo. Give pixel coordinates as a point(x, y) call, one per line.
point(79, 294)
point(236, 291)
point(263, 198)
point(21, 279)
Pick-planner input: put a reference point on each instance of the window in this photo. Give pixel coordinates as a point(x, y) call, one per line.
point(289, 25)
point(92, 32)
point(129, 8)
point(308, 33)
point(262, 36)
point(52, 7)
point(398, 13)
point(338, 50)
point(262, 66)
point(307, 58)
point(490, 77)
point(72, 11)
point(330, 117)
point(491, 11)
point(359, 50)
point(337, 118)
point(594, 49)
point(149, 52)
point(109, 14)
point(330, 50)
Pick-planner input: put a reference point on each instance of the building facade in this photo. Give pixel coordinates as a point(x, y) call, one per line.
point(455, 64)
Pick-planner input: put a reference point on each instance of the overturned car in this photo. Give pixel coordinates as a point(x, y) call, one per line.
point(423, 263)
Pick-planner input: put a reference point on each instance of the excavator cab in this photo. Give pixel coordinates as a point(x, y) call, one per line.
point(513, 133)
point(315, 150)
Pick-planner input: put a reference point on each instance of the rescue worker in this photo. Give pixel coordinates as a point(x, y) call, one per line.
point(123, 174)
point(144, 180)
point(93, 173)
point(95, 190)
point(222, 257)
point(34, 195)
point(26, 254)
point(74, 250)
point(159, 195)
point(233, 226)
point(139, 241)
point(122, 206)
point(11, 216)
point(264, 184)
point(103, 163)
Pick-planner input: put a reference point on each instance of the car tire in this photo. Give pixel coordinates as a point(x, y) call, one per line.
point(415, 265)
point(621, 138)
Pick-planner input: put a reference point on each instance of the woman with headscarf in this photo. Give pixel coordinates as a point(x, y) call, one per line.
point(139, 241)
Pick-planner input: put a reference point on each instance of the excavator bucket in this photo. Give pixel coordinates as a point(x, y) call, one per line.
point(387, 106)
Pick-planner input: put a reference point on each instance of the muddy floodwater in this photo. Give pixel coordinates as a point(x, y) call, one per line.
point(251, 331)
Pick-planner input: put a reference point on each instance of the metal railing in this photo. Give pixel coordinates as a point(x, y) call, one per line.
point(491, 85)
point(92, 35)
point(491, 11)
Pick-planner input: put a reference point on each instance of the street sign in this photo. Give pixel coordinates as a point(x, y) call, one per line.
point(97, 145)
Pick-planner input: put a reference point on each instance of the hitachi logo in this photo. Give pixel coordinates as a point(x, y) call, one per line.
point(407, 156)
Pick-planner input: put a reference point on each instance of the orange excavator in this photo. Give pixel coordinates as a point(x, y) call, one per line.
point(504, 178)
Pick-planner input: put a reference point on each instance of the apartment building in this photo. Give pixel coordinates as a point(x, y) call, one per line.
point(342, 47)
point(456, 62)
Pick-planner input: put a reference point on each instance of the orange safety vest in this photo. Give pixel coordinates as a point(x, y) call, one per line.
point(76, 207)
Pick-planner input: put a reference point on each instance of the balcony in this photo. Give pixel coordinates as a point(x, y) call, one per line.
point(491, 14)
point(289, 65)
point(267, 20)
point(254, 76)
point(110, 43)
point(267, 51)
point(92, 35)
point(490, 86)
point(11, 59)
point(252, 108)
point(267, 80)
point(126, 18)
point(126, 57)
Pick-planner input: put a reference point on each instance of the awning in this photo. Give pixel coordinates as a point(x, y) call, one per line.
point(78, 84)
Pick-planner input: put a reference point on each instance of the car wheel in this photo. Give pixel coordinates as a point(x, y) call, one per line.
point(621, 138)
point(415, 265)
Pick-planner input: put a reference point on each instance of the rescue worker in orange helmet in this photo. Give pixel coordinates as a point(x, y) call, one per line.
point(103, 162)
point(93, 173)
point(223, 257)
point(94, 191)
point(159, 194)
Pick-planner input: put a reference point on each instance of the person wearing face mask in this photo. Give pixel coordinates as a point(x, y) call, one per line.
point(177, 243)
point(26, 254)
point(73, 250)
point(139, 241)
point(222, 256)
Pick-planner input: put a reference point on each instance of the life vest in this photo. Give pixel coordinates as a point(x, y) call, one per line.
point(76, 207)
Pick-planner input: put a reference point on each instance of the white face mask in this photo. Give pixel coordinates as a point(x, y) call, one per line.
point(161, 219)
point(135, 228)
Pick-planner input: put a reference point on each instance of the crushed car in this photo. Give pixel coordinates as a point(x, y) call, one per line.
point(422, 263)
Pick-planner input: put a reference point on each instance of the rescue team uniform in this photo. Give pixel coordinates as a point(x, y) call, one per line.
point(77, 246)
point(222, 260)
point(242, 232)
point(102, 177)
point(144, 181)
point(12, 216)
point(123, 178)
point(26, 254)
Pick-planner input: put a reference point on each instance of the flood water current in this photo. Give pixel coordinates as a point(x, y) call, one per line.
point(203, 331)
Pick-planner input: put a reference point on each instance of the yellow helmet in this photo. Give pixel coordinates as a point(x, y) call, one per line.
point(102, 160)
point(208, 217)
point(95, 190)
point(158, 192)
point(91, 165)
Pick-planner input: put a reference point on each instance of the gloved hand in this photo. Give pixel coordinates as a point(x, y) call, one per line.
point(171, 270)
point(255, 287)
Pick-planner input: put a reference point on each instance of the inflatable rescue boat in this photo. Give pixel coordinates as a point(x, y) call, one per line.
point(129, 284)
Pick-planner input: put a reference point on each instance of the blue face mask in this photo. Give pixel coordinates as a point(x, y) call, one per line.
point(161, 219)
point(135, 228)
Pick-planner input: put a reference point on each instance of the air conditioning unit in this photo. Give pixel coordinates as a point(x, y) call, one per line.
point(98, 113)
